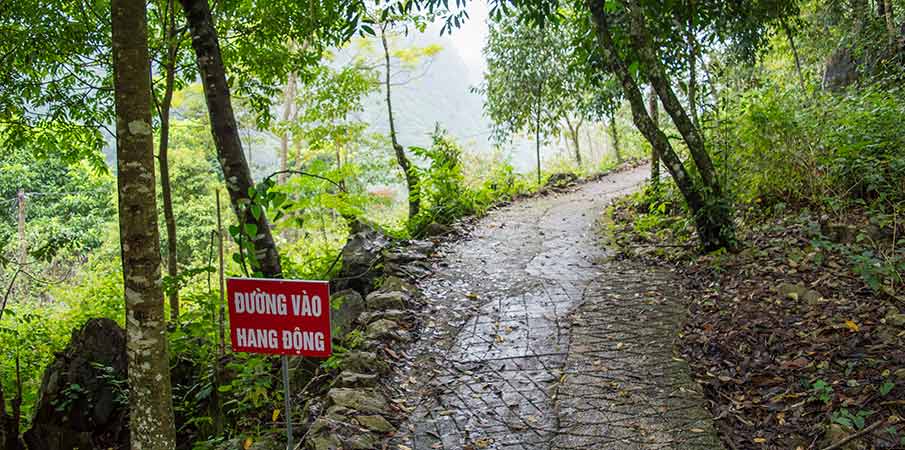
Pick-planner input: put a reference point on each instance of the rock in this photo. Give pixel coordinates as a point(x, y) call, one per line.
point(394, 283)
point(260, 443)
point(841, 70)
point(385, 329)
point(395, 315)
point(353, 379)
point(324, 441)
point(894, 317)
point(361, 441)
point(361, 256)
point(376, 423)
point(363, 362)
point(799, 292)
point(88, 377)
point(366, 401)
point(561, 179)
point(383, 300)
point(338, 413)
point(402, 256)
point(435, 229)
point(836, 433)
point(840, 233)
point(414, 269)
point(424, 247)
point(345, 307)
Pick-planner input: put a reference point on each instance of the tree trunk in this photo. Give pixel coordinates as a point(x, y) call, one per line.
point(614, 133)
point(163, 159)
point(284, 138)
point(791, 39)
point(573, 135)
point(150, 400)
point(860, 11)
point(537, 137)
point(643, 46)
point(654, 154)
point(890, 23)
point(710, 232)
point(411, 178)
point(226, 132)
point(692, 67)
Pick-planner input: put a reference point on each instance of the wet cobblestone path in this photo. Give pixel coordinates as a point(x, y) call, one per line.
point(533, 340)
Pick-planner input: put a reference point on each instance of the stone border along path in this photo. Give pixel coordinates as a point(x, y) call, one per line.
point(532, 341)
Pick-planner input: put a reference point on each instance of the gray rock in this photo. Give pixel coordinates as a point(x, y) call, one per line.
point(799, 292)
point(841, 70)
point(385, 329)
point(839, 232)
point(261, 443)
point(561, 179)
point(414, 269)
point(435, 229)
point(395, 315)
point(382, 300)
point(361, 256)
point(394, 283)
point(324, 441)
point(361, 441)
point(366, 401)
point(836, 433)
point(345, 307)
point(425, 247)
point(894, 317)
point(352, 379)
point(403, 255)
point(376, 423)
point(363, 362)
point(85, 377)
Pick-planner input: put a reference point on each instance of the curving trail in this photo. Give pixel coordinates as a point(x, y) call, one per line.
point(533, 340)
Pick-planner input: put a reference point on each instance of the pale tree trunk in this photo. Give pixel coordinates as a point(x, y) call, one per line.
point(411, 177)
point(226, 132)
point(151, 423)
point(654, 155)
point(537, 136)
point(284, 138)
point(614, 134)
point(709, 231)
point(163, 159)
point(573, 136)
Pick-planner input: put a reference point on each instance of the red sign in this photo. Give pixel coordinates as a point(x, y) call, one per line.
point(285, 317)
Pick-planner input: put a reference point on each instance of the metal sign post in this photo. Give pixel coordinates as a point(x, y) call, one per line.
point(287, 402)
point(280, 317)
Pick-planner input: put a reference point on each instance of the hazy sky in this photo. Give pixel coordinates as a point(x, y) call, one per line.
point(469, 40)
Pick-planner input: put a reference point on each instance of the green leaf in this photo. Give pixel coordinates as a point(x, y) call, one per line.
point(886, 387)
point(251, 230)
point(256, 211)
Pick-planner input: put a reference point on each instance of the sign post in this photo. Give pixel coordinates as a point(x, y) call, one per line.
point(280, 317)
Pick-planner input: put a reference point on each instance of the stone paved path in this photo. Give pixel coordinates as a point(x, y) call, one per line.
point(533, 341)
